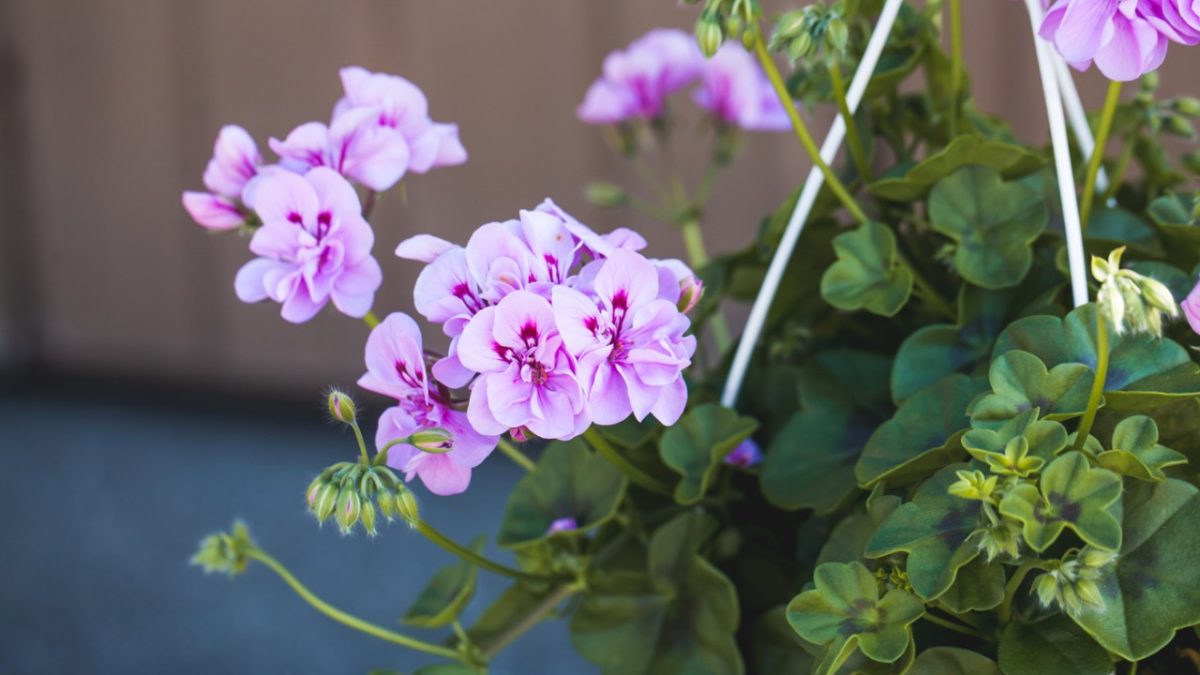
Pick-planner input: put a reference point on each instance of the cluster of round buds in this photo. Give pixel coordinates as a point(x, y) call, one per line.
point(1071, 582)
point(225, 552)
point(725, 19)
point(353, 493)
point(1130, 300)
point(816, 28)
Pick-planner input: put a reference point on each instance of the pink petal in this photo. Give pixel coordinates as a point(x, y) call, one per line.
point(423, 248)
point(1081, 32)
point(440, 474)
point(300, 305)
point(212, 211)
point(284, 198)
point(235, 160)
point(250, 284)
point(672, 399)
point(305, 147)
point(476, 346)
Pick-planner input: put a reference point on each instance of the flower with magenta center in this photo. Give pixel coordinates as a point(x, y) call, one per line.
point(396, 367)
point(235, 162)
point(629, 342)
point(313, 247)
point(526, 375)
point(736, 91)
point(636, 81)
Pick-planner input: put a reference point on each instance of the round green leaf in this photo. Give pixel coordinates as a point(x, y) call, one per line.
point(922, 436)
point(697, 445)
point(953, 661)
point(1136, 453)
point(1118, 227)
point(1052, 645)
point(1011, 161)
point(868, 273)
point(570, 482)
point(846, 604)
point(1021, 382)
point(993, 222)
point(978, 586)
point(1072, 494)
point(447, 593)
point(1153, 588)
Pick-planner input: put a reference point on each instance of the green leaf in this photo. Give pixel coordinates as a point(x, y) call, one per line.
point(1021, 382)
point(1144, 371)
point(680, 618)
point(1072, 494)
point(953, 661)
point(1136, 453)
point(1052, 645)
point(444, 598)
point(978, 586)
point(570, 482)
point(1118, 227)
point(810, 462)
point(935, 530)
point(697, 445)
point(1042, 440)
point(868, 273)
point(777, 648)
point(446, 669)
point(846, 606)
point(992, 222)
point(1153, 588)
point(1011, 161)
point(922, 436)
point(848, 539)
point(514, 604)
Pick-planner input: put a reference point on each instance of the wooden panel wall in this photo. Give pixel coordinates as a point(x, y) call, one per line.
point(117, 103)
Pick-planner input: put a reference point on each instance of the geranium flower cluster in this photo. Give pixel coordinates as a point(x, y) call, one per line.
point(637, 81)
point(310, 235)
point(1124, 38)
point(552, 328)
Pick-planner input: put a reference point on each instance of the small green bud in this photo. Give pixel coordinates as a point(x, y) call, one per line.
point(341, 406)
point(837, 34)
point(406, 506)
point(1179, 126)
point(225, 552)
point(1150, 81)
point(1188, 105)
point(368, 518)
point(790, 25)
point(1159, 296)
point(387, 504)
point(349, 508)
point(709, 35)
point(691, 290)
point(800, 47)
point(325, 503)
point(606, 195)
point(973, 485)
point(436, 441)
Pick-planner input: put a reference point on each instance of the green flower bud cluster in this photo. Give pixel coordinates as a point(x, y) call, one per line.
point(353, 493)
point(606, 195)
point(1129, 300)
point(805, 32)
point(225, 551)
point(1070, 582)
point(725, 19)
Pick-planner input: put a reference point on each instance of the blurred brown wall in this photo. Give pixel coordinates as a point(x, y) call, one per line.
point(108, 109)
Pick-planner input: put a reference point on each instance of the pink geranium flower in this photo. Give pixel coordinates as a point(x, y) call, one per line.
point(313, 247)
point(1191, 308)
point(628, 342)
point(235, 162)
point(637, 81)
point(1117, 35)
point(526, 375)
point(736, 91)
point(396, 368)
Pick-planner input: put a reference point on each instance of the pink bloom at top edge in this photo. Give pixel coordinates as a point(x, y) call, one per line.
point(353, 145)
point(628, 342)
point(636, 81)
point(1179, 20)
point(1119, 36)
point(526, 375)
point(1191, 308)
point(736, 91)
point(395, 362)
point(313, 247)
point(235, 162)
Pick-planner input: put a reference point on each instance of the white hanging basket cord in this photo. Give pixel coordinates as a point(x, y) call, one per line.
point(1057, 86)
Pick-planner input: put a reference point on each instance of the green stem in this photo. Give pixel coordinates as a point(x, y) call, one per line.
point(1089, 417)
point(693, 241)
point(533, 618)
point(858, 152)
point(362, 444)
point(956, 62)
point(433, 534)
point(368, 205)
point(785, 97)
point(946, 623)
point(1093, 169)
point(348, 619)
point(1010, 590)
point(516, 455)
point(634, 474)
point(1118, 172)
point(1133, 667)
point(371, 320)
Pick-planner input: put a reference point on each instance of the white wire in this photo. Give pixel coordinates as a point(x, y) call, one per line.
point(808, 196)
point(1062, 157)
point(1077, 117)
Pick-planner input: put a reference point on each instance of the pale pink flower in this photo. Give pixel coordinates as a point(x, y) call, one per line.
point(235, 162)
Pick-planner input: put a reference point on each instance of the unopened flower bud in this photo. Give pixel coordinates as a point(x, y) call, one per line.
point(225, 551)
point(709, 35)
point(368, 518)
point(837, 34)
point(1159, 296)
point(1150, 81)
point(1179, 126)
point(435, 440)
point(1188, 106)
point(406, 506)
point(789, 26)
point(606, 195)
point(325, 502)
point(349, 508)
point(341, 406)
point(691, 290)
point(800, 47)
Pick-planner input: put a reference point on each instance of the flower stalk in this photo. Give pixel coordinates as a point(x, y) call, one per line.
point(956, 62)
point(433, 534)
point(633, 473)
point(1097, 160)
point(858, 151)
point(512, 452)
point(1093, 404)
